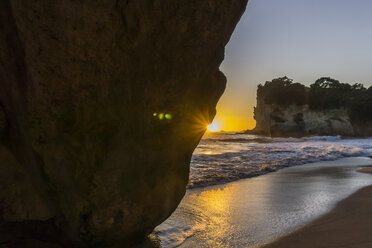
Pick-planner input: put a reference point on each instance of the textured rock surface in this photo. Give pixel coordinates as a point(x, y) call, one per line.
point(83, 158)
point(297, 121)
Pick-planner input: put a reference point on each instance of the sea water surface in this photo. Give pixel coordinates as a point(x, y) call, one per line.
point(220, 211)
point(227, 156)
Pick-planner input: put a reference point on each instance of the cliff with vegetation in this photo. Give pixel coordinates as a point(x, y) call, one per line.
point(101, 106)
point(327, 107)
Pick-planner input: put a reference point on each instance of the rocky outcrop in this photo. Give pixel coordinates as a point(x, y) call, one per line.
point(102, 104)
point(297, 121)
point(326, 107)
point(362, 128)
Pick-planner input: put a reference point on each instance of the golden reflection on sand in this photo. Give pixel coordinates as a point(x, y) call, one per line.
point(216, 201)
point(252, 212)
point(217, 206)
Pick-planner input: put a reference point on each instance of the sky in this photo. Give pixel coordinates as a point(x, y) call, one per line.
point(301, 39)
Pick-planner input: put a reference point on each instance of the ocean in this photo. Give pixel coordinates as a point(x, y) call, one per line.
point(219, 210)
point(227, 156)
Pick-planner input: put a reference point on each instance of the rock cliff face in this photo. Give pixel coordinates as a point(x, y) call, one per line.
point(297, 121)
point(101, 106)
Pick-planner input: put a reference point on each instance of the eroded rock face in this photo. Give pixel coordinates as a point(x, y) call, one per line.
point(298, 121)
point(103, 103)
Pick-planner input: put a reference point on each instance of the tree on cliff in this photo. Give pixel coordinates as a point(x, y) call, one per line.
point(324, 93)
point(282, 91)
point(329, 93)
point(361, 105)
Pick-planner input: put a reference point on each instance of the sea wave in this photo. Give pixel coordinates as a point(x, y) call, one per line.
point(239, 139)
point(176, 233)
point(231, 156)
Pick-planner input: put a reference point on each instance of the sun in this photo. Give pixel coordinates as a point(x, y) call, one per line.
point(214, 126)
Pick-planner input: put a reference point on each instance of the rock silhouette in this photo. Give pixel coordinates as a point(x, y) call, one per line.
point(102, 104)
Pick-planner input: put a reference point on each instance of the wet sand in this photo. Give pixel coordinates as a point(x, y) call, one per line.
point(252, 212)
point(366, 170)
point(348, 225)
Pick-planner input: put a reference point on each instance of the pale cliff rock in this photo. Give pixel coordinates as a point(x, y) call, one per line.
point(297, 121)
point(85, 158)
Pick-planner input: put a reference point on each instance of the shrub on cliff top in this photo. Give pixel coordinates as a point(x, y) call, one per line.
point(361, 105)
point(329, 93)
point(325, 93)
point(282, 91)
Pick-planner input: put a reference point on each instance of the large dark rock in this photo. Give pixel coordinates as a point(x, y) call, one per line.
point(102, 104)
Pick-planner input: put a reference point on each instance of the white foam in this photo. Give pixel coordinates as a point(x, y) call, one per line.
point(228, 156)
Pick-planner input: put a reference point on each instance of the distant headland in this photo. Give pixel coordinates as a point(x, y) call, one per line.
point(326, 107)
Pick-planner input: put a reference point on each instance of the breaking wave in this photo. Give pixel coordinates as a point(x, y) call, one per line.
point(226, 157)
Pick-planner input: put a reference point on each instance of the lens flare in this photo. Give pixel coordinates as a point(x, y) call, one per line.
point(214, 126)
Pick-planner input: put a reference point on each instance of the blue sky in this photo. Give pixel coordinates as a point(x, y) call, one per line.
point(301, 39)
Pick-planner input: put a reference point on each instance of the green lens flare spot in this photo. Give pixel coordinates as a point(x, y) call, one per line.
point(161, 116)
point(154, 114)
point(168, 116)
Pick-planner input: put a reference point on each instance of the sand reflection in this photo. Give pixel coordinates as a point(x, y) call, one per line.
point(250, 212)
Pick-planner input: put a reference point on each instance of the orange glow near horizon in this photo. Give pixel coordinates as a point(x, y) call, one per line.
point(230, 123)
point(236, 117)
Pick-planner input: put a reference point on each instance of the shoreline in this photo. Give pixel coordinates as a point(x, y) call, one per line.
point(252, 212)
point(229, 157)
point(347, 225)
point(265, 171)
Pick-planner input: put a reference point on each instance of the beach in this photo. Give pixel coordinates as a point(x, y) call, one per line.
point(300, 206)
point(348, 225)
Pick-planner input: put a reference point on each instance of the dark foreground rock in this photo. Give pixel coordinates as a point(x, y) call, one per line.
point(101, 106)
